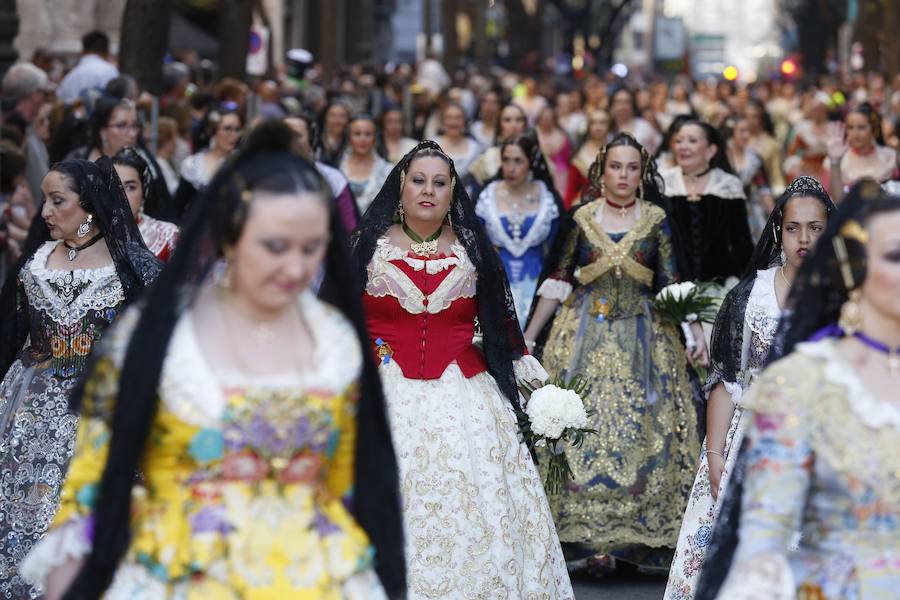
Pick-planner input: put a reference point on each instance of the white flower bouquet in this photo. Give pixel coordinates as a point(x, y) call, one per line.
point(554, 415)
point(684, 303)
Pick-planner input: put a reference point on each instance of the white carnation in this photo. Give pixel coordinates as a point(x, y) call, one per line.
point(677, 291)
point(686, 288)
point(551, 410)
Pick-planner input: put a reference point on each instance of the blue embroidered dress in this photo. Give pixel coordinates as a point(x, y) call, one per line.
point(523, 242)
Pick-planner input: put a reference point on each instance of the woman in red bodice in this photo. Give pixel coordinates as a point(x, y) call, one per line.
point(476, 517)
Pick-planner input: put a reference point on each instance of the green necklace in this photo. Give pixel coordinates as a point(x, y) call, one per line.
point(422, 247)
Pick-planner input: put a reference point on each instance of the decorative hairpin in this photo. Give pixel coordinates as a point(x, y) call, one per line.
point(852, 230)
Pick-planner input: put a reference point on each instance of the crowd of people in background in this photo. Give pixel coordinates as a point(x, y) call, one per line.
point(365, 118)
point(489, 220)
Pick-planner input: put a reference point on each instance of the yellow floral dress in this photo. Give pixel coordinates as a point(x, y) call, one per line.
point(244, 481)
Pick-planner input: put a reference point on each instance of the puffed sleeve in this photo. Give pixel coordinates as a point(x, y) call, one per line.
point(779, 473)
point(339, 478)
point(559, 283)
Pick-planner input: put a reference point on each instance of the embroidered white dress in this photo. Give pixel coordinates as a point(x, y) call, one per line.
point(760, 324)
point(476, 517)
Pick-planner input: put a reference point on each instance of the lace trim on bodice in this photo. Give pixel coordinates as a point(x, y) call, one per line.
point(493, 220)
point(872, 411)
point(763, 313)
point(720, 184)
point(67, 296)
point(157, 234)
point(194, 393)
point(387, 279)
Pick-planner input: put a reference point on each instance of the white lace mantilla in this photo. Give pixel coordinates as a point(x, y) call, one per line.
point(192, 391)
point(720, 184)
point(387, 279)
point(871, 411)
point(486, 208)
point(67, 296)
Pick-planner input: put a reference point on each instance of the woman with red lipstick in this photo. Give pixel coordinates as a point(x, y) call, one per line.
point(84, 263)
point(709, 210)
point(594, 319)
point(476, 517)
point(744, 331)
point(856, 150)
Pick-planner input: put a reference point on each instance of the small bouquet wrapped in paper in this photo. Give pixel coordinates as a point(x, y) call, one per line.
point(554, 416)
point(684, 303)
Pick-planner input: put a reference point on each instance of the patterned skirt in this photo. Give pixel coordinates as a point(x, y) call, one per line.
point(631, 481)
point(37, 438)
point(700, 516)
point(476, 517)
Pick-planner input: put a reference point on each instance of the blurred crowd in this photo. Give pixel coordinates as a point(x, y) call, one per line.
point(360, 121)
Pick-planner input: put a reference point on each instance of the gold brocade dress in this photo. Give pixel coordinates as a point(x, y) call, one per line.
point(631, 481)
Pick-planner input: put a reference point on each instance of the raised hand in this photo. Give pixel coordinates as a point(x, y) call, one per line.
point(835, 141)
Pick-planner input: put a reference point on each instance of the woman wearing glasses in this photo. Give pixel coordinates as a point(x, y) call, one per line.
point(113, 125)
point(220, 132)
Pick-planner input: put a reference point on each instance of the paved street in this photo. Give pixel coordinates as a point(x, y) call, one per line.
point(631, 587)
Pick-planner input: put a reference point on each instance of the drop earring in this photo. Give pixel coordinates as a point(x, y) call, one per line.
point(85, 228)
point(401, 216)
point(851, 313)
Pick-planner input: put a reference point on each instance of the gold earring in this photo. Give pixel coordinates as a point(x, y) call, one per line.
point(401, 215)
point(602, 189)
point(851, 313)
point(641, 190)
point(450, 217)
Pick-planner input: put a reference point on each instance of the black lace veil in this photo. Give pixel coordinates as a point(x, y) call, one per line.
point(818, 292)
point(213, 221)
point(101, 194)
point(502, 337)
point(728, 331)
